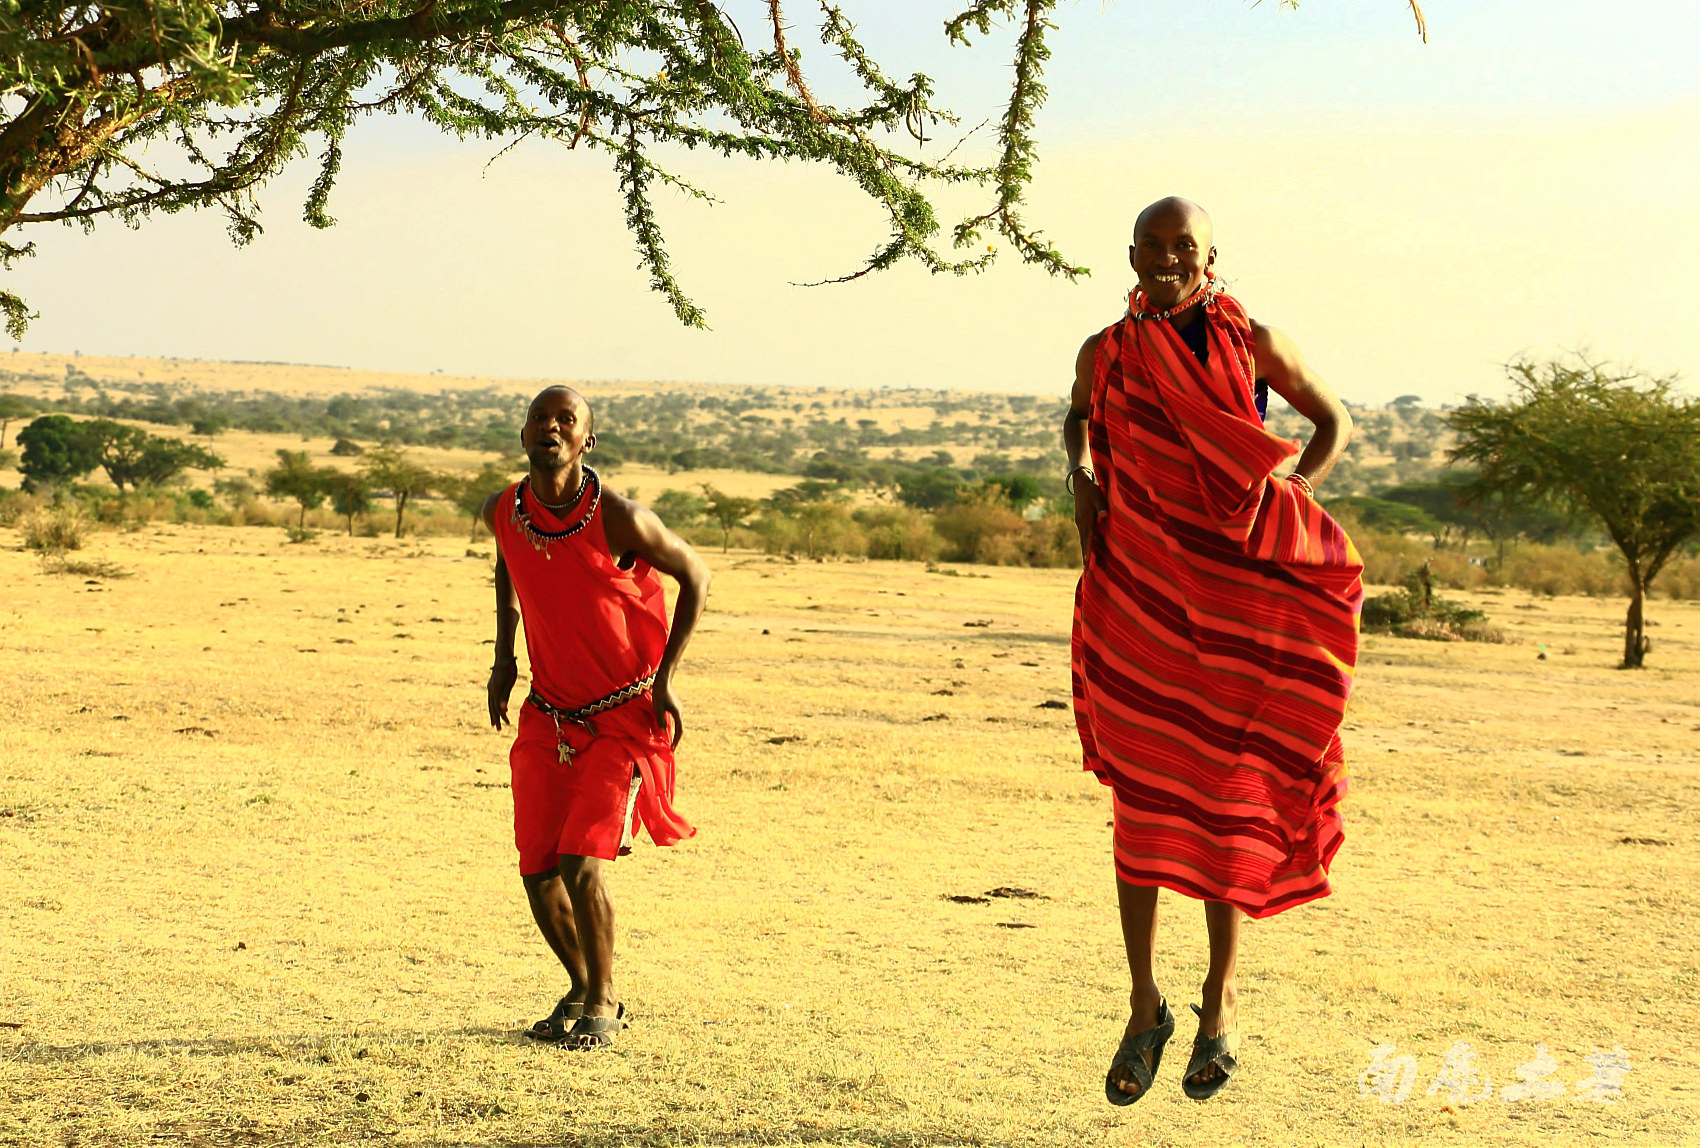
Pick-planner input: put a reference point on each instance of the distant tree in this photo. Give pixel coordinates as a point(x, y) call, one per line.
point(728, 511)
point(295, 477)
point(389, 468)
point(345, 448)
point(350, 494)
point(1384, 514)
point(470, 491)
point(55, 450)
point(13, 407)
point(1619, 449)
point(131, 457)
point(1017, 489)
point(679, 507)
point(1404, 401)
point(929, 489)
point(209, 425)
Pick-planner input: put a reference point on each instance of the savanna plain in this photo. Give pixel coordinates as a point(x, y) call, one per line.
point(257, 883)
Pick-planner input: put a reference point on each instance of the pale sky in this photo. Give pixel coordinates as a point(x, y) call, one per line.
point(1412, 214)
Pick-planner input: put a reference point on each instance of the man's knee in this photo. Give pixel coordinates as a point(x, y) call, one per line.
point(580, 872)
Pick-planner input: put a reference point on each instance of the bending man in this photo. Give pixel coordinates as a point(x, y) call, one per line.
point(592, 760)
point(1215, 625)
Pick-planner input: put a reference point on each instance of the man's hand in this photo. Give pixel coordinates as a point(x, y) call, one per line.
point(1089, 507)
point(503, 675)
point(667, 705)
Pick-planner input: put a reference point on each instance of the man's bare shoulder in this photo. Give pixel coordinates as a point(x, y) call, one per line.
point(492, 505)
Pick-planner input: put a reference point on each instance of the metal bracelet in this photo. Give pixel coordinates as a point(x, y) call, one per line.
point(1068, 479)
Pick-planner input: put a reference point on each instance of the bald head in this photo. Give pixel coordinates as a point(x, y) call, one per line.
point(1172, 209)
point(560, 393)
point(1172, 251)
point(559, 428)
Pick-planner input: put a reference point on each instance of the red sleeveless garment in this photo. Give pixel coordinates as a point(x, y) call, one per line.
point(592, 628)
point(1215, 627)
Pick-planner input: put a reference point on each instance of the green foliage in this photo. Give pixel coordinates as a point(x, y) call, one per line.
point(131, 457)
point(125, 109)
point(900, 533)
point(1615, 448)
point(12, 408)
point(1417, 612)
point(350, 495)
point(55, 451)
point(727, 511)
point(295, 477)
point(392, 469)
point(470, 492)
point(347, 449)
point(679, 508)
point(1383, 514)
point(929, 489)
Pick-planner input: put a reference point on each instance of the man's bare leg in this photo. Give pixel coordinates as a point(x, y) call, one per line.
point(593, 912)
point(1139, 933)
point(552, 909)
point(1221, 997)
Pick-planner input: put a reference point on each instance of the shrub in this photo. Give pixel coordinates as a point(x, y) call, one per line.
point(898, 532)
point(1563, 570)
point(982, 528)
point(54, 529)
point(1680, 579)
point(1416, 612)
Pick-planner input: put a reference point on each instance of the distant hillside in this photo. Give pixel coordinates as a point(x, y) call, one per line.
point(851, 437)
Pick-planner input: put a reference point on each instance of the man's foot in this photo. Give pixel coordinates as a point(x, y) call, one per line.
point(597, 1031)
point(1149, 1028)
point(1218, 1023)
point(554, 1026)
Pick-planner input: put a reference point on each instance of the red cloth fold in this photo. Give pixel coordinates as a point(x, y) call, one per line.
point(1215, 627)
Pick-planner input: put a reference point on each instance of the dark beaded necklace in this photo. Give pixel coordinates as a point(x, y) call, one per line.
point(541, 538)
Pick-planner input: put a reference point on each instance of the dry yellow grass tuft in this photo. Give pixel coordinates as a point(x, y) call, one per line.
point(257, 885)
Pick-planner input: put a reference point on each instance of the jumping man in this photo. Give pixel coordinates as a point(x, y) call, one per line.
point(593, 759)
point(1215, 627)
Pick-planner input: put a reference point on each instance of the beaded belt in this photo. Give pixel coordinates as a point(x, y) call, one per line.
point(582, 715)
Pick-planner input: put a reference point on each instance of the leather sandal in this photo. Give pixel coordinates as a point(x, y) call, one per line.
point(590, 1032)
point(553, 1027)
point(1127, 1056)
point(1207, 1051)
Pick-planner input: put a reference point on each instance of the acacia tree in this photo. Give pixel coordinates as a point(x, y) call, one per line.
point(727, 510)
point(13, 407)
point(296, 477)
point(128, 107)
point(1614, 448)
point(393, 469)
point(350, 494)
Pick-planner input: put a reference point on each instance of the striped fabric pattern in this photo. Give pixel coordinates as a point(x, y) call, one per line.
point(1215, 628)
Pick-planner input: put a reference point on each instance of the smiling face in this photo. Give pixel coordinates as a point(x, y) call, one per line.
point(558, 429)
point(1171, 251)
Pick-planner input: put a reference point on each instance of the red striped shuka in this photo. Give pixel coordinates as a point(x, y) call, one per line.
point(1215, 627)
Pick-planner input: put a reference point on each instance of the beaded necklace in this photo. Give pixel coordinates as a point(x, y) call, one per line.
point(1205, 295)
point(536, 535)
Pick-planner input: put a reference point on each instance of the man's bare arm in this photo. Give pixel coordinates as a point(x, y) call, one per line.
point(1279, 362)
point(504, 668)
point(634, 529)
point(1089, 504)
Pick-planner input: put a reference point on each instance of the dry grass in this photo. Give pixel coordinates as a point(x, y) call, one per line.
point(257, 885)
